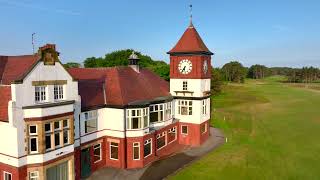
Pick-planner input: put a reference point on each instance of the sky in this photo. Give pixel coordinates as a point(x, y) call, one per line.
point(269, 32)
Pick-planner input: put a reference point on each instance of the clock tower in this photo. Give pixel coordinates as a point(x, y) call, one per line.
point(190, 78)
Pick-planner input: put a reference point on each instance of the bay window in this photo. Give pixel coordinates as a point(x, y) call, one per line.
point(137, 118)
point(156, 113)
point(90, 123)
point(184, 107)
point(205, 103)
point(57, 134)
point(168, 107)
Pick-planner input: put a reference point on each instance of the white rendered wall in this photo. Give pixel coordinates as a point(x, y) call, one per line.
point(110, 123)
point(198, 86)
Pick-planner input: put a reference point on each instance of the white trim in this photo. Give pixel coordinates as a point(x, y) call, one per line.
point(150, 147)
point(37, 144)
point(110, 150)
point(4, 175)
point(134, 146)
point(187, 130)
point(94, 148)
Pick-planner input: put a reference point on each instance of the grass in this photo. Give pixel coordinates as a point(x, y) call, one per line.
point(273, 132)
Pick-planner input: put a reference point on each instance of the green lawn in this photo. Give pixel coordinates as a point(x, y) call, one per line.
point(273, 132)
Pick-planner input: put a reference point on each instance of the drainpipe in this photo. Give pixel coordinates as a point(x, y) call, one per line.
point(125, 138)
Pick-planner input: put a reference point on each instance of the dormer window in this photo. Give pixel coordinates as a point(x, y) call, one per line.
point(40, 93)
point(185, 85)
point(58, 92)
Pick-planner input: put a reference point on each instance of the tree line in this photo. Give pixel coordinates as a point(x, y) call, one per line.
point(233, 71)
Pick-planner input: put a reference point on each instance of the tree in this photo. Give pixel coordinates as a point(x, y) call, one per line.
point(234, 71)
point(216, 81)
point(258, 71)
point(72, 65)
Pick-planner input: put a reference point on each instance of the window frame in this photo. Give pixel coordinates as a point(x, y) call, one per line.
point(162, 135)
point(205, 128)
point(110, 153)
point(7, 173)
point(185, 85)
point(186, 129)
point(58, 92)
point(100, 151)
point(142, 114)
point(90, 116)
point(148, 141)
point(36, 177)
point(37, 145)
point(136, 145)
point(188, 104)
point(173, 130)
point(42, 94)
point(33, 134)
point(160, 109)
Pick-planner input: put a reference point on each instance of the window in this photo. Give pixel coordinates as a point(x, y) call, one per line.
point(114, 150)
point(185, 85)
point(161, 140)
point(90, 124)
point(147, 150)
point(57, 136)
point(168, 107)
point(203, 128)
point(184, 129)
point(34, 175)
point(172, 134)
point(136, 151)
point(184, 107)
point(40, 93)
point(204, 106)
point(97, 153)
point(156, 113)
point(33, 139)
point(7, 176)
point(33, 129)
point(58, 92)
point(137, 118)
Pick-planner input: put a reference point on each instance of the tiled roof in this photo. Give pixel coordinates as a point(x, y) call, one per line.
point(15, 67)
point(190, 42)
point(117, 86)
point(5, 94)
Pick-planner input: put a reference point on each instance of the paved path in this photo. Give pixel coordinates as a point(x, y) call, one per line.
point(163, 168)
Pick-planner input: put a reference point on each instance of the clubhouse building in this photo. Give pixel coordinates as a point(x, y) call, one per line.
point(58, 124)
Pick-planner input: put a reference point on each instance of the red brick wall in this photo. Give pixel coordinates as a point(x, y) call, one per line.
point(77, 163)
point(197, 67)
point(194, 136)
point(120, 163)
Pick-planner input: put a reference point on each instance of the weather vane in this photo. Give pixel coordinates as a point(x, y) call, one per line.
point(190, 15)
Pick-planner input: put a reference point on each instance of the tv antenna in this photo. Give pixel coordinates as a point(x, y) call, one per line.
point(33, 42)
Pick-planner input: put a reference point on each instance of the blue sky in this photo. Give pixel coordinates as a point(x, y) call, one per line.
point(270, 32)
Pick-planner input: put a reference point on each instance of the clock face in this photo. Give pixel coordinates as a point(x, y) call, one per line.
point(185, 66)
point(205, 66)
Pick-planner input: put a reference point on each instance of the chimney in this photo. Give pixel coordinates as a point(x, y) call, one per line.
point(134, 62)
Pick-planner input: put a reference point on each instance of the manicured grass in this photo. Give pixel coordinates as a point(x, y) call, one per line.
point(273, 132)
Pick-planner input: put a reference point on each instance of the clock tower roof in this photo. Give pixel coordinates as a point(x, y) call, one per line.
point(190, 43)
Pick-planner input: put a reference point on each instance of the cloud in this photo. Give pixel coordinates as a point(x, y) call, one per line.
point(40, 8)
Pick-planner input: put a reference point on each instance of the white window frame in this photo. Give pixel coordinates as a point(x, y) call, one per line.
point(37, 145)
point(42, 91)
point(185, 103)
point(187, 130)
point(91, 116)
point(142, 114)
point(173, 130)
point(34, 175)
point(136, 145)
point(110, 144)
point(168, 110)
point(96, 147)
point(7, 173)
point(145, 143)
point(163, 134)
point(160, 108)
point(185, 85)
point(33, 134)
point(205, 128)
point(58, 93)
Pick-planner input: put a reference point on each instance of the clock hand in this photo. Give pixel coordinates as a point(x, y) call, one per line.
point(184, 68)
